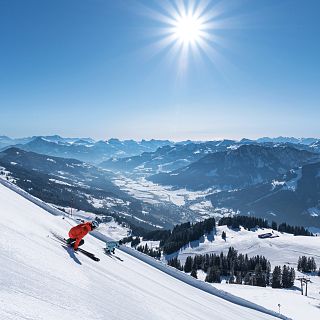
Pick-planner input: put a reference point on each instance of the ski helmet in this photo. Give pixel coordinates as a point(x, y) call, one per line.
point(94, 224)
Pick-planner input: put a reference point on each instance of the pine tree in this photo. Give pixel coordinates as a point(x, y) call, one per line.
point(276, 277)
point(292, 277)
point(213, 275)
point(194, 273)
point(285, 277)
point(274, 225)
point(175, 263)
point(311, 265)
point(194, 263)
point(188, 264)
point(224, 236)
point(260, 280)
point(239, 278)
point(268, 271)
point(135, 242)
point(299, 264)
point(304, 264)
point(247, 279)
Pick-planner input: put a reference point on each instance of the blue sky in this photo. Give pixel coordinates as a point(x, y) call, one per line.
point(91, 68)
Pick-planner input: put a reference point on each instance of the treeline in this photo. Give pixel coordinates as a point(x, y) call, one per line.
point(307, 264)
point(155, 253)
point(134, 241)
point(296, 230)
point(181, 235)
point(184, 233)
point(238, 268)
point(248, 222)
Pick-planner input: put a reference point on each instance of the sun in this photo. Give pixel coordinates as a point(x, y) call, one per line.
point(188, 29)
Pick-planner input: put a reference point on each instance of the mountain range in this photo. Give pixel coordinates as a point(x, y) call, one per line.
point(73, 183)
point(84, 149)
point(236, 168)
point(295, 198)
point(167, 158)
point(266, 177)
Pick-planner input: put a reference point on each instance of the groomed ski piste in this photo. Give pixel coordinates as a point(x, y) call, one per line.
point(41, 279)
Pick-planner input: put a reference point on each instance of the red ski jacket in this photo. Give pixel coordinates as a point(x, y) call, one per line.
point(78, 232)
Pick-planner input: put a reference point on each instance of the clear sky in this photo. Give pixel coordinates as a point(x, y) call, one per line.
point(105, 68)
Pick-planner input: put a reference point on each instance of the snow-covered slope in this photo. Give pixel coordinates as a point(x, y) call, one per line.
point(40, 279)
point(282, 250)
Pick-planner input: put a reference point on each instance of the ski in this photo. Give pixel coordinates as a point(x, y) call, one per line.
point(88, 254)
point(57, 236)
point(109, 254)
point(85, 252)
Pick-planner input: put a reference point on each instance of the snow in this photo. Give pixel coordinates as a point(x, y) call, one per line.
point(292, 303)
point(314, 211)
point(6, 175)
point(202, 207)
point(151, 244)
point(60, 182)
point(276, 183)
point(233, 147)
point(150, 192)
point(40, 279)
point(292, 184)
point(282, 250)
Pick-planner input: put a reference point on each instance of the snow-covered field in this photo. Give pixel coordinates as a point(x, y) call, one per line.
point(284, 249)
point(292, 303)
point(281, 250)
point(41, 279)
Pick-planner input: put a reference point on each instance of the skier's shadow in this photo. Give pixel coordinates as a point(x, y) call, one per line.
point(71, 254)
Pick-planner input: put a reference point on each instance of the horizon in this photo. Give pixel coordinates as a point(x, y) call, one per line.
point(176, 70)
point(149, 139)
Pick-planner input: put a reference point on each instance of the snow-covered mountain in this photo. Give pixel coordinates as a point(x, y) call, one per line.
point(6, 141)
point(85, 149)
point(294, 198)
point(41, 279)
point(72, 183)
point(305, 141)
point(236, 168)
point(167, 158)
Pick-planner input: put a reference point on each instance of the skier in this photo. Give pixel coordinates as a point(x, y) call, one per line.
point(78, 232)
point(111, 246)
